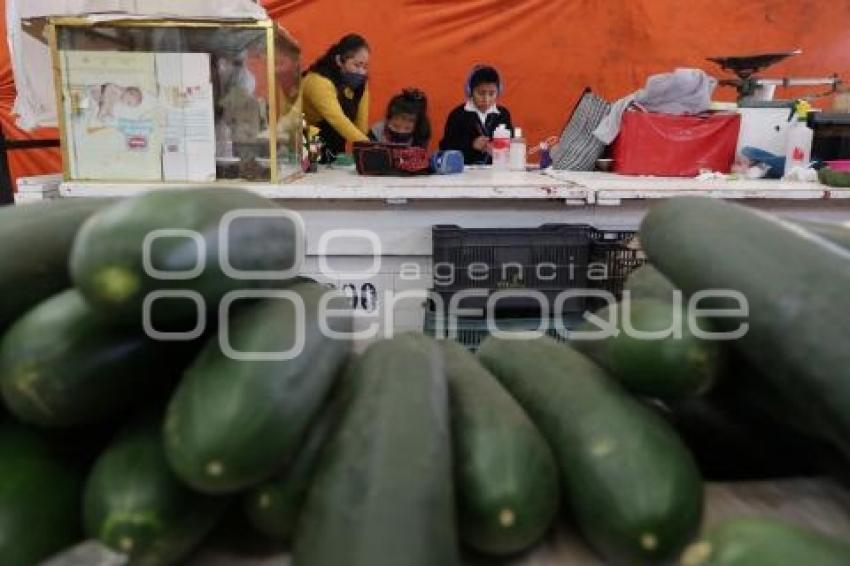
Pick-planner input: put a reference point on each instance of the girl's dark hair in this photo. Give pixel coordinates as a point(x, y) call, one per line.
point(345, 48)
point(412, 101)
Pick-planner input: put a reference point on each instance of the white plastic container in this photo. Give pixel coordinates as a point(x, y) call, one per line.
point(518, 151)
point(798, 149)
point(501, 147)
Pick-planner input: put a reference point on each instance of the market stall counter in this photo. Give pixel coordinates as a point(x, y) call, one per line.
point(351, 220)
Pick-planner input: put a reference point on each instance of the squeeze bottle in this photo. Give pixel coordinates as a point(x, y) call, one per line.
point(501, 147)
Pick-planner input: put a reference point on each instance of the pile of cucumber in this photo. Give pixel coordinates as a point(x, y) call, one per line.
point(415, 452)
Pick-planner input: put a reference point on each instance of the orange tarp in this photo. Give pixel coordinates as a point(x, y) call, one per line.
point(547, 50)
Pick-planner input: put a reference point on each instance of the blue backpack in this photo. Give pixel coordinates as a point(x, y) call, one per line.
point(447, 162)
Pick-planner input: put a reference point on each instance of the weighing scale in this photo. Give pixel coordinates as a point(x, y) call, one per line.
point(765, 121)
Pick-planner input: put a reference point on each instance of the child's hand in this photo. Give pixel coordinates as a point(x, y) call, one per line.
point(481, 143)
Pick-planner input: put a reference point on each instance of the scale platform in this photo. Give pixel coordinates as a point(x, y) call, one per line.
point(745, 66)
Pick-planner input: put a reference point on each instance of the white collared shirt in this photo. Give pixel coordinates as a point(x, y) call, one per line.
point(482, 116)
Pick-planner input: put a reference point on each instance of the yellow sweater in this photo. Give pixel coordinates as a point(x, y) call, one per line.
point(320, 103)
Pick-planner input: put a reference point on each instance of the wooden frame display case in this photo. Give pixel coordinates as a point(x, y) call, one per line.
point(177, 101)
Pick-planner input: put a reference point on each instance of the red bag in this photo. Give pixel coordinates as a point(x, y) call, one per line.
point(664, 145)
point(390, 159)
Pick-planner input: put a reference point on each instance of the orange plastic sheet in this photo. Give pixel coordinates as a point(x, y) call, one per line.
point(547, 50)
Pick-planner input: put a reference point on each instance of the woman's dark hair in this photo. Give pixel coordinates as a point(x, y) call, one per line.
point(412, 101)
point(345, 48)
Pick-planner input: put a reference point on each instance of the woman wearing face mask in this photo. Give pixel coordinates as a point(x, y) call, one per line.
point(406, 120)
point(335, 95)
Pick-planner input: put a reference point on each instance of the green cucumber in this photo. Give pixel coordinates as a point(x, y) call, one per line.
point(39, 499)
point(233, 423)
point(669, 367)
point(795, 284)
point(273, 507)
point(506, 476)
point(383, 493)
point(107, 261)
point(835, 233)
point(36, 242)
point(761, 541)
point(646, 282)
point(61, 365)
point(739, 430)
point(134, 504)
point(632, 486)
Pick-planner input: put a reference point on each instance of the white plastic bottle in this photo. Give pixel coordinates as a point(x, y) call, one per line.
point(518, 151)
point(798, 147)
point(501, 147)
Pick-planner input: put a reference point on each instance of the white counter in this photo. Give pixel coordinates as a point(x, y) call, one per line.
point(484, 184)
point(611, 189)
point(399, 212)
point(403, 209)
point(345, 184)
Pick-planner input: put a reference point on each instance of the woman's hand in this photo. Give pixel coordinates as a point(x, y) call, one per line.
point(481, 143)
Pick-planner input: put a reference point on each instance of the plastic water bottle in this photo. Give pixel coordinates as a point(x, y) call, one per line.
point(798, 147)
point(501, 147)
point(518, 151)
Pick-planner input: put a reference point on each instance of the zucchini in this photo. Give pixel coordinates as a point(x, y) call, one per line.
point(134, 504)
point(107, 261)
point(672, 367)
point(646, 282)
point(36, 240)
point(273, 507)
point(506, 476)
point(761, 541)
point(835, 233)
point(632, 486)
point(383, 492)
point(233, 423)
point(796, 287)
point(39, 499)
point(61, 365)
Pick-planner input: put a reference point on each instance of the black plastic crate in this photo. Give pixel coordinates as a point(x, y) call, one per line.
point(614, 254)
point(549, 259)
point(471, 332)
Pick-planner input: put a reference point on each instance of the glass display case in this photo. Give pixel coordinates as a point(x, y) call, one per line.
point(177, 101)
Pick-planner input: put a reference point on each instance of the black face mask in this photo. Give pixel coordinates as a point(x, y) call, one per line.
point(395, 137)
point(353, 80)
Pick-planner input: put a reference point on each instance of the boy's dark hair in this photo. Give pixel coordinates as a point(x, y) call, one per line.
point(483, 74)
point(412, 101)
point(346, 48)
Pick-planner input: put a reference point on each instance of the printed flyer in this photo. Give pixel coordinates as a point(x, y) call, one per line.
point(139, 116)
point(112, 115)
